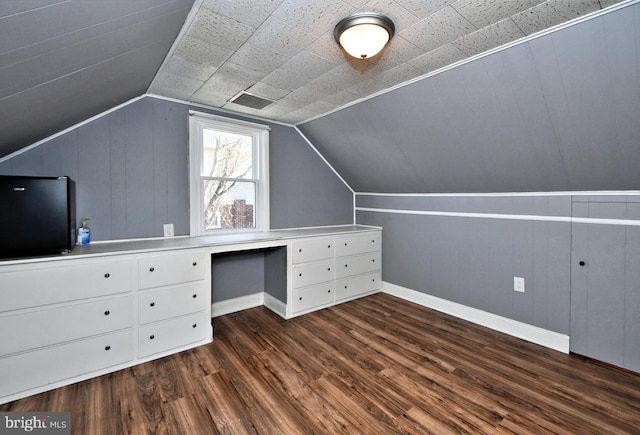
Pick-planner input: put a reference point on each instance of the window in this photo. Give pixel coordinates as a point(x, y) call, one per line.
point(229, 175)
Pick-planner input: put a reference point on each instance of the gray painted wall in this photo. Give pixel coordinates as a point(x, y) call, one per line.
point(131, 173)
point(556, 113)
point(473, 260)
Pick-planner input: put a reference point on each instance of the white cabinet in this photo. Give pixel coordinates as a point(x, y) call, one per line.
point(174, 301)
point(65, 320)
point(326, 270)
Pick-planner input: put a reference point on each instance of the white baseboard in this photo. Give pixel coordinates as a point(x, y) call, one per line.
point(534, 334)
point(275, 305)
point(238, 304)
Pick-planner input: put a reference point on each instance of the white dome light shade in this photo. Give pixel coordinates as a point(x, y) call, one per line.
point(364, 35)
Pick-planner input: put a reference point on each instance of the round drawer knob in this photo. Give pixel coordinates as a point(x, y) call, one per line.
point(152, 304)
point(300, 298)
point(582, 263)
point(328, 268)
point(345, 244)
point(345, 286)
point(151, 269)
point(106, 313)
point(300, 250)
point(107, 347)
point(194, 325)
point(346, 265)
point(151, 337)
point(195, 263)
point(107, 275)
point(194, 296)
point(300, 274)
point(329, 246)
point(328, 291)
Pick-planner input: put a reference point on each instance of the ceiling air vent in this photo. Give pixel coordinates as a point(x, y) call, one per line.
point(248, 100)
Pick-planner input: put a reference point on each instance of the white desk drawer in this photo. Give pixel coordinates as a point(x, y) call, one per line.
point(352, 245)
point(68, 281)
point(180, 331)
point(57, 325)
point(358, 285)
point(172, 269)
point(312, 273)
point(312, 250)
point(356, 265)
point(33, 369)
point(155, 305)
point(314, 296)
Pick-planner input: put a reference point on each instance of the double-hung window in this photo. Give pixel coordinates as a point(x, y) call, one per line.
point(229, 180)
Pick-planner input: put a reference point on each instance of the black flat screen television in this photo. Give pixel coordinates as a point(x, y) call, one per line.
point(37, 217)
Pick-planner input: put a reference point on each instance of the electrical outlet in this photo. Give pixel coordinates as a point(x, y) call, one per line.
point(518, 284)
point(168, 230)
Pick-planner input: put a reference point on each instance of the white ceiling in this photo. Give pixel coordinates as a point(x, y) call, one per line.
point(284, 49)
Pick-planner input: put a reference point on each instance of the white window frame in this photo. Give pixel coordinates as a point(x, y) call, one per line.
point(198, 121)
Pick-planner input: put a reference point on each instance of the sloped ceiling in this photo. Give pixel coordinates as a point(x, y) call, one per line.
point(63, 61)
point(284, 50)
point(556, 113)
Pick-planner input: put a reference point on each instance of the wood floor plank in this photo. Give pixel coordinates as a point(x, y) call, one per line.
point(376, 365)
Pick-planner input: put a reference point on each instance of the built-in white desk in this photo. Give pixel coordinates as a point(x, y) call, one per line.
point(107, 306)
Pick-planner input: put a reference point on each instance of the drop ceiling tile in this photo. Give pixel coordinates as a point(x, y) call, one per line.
point(398, 51)
point(399, 74)
point(186, 68)
point(262, 89)
point(438, 29)
point(327, 47)
point(312, 16)
point(482, 13)
point(422, 8)
point(438, 58)
point(198, 51)
point(243, 109)
point(308, 65)
point(402, 19)
point(341, 98)
point(366, 87)
point(356, 3)
point(551, 13)
point(219, 30)
point(281, 38)
point(249, 12)
point(257, 58)
point(305, 95)
point(209, 97)
point(489, 37)
point(239, 74)
point(175, 86)
point(281, 78)
point(221, 86)
point(319, 107)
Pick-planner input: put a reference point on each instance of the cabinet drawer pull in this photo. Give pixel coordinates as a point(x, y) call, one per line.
point(107, 347)
point(582, 263)
point(152, 304)
point(300, 298)
point(151, 269)
point(329, 246)
point(345, 244)
point(300, 274)
point(328, 291)
point(107, 275)
point(345, 286)
point(329, 269)
point(300, 250)
point(195, 263)
point(346, 265)
point(195, 295)
point(151, 337)
point(106, 313)
point(194, 325)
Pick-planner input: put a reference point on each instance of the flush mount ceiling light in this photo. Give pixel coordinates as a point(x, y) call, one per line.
point(364, 35)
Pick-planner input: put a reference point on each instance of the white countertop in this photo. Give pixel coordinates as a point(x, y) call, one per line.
point(163, 244)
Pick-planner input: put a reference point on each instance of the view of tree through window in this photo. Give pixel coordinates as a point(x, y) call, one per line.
point(228, 181)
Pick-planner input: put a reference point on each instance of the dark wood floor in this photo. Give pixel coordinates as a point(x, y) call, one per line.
point(378, 365)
